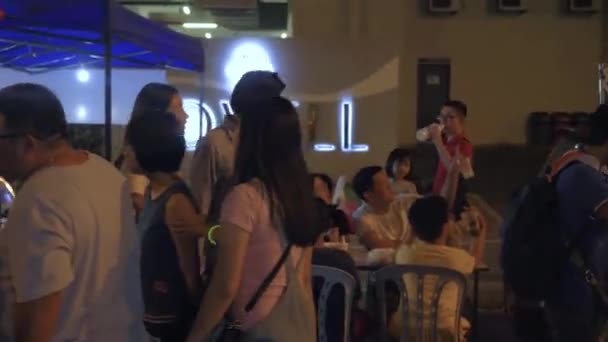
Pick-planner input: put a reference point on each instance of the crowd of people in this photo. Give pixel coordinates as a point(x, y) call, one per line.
point(102, 252)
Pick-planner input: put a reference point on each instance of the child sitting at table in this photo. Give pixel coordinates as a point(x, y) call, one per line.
point(429, 219)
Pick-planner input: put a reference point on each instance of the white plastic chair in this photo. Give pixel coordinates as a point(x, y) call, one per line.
point(395, 273)
point(333, 277)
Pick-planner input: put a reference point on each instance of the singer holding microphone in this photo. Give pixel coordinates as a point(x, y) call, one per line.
point(455, 154)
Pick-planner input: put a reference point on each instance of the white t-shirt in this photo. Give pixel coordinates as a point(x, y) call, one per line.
point(426, 254)
point(7, 296)
point(392, 225)
point(71, 228)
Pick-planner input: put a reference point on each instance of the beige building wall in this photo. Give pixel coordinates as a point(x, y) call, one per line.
point(503, 66)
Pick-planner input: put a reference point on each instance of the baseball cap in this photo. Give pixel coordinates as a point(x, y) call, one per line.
point(254, 86)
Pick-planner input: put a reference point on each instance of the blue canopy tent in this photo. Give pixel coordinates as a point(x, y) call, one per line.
point(41, 35)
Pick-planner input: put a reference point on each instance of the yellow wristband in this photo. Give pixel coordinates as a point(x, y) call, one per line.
point(210, 234)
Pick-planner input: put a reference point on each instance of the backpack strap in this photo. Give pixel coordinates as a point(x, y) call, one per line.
point(562, 163)
point(284, 256)
point(269, 278)
point(579, 261)
point(573, 252)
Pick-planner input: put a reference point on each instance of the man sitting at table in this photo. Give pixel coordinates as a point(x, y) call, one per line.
point(381, 221)
point(429, 219)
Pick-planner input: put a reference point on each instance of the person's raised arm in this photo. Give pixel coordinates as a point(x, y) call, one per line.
point(450, 187)
point(437, 138)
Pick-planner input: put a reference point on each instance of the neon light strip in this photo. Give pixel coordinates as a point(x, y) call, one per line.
point(324, 147)
point(347, 123)
point(346, 129)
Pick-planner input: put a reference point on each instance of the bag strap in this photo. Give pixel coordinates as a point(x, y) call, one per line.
point(269, 278)
point(580, 263)
point(273, 273)
point(573, 252)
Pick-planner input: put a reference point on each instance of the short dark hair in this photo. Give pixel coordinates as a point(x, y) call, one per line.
point(32, 109)
point(397, 155)
point(458, 105)
point(157, 141)
point(364, 180)
point(427, 216)
point(325, 179)
point(253, 87)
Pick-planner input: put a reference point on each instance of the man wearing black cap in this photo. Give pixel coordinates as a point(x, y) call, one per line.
point(213, 161)
point(582, 191)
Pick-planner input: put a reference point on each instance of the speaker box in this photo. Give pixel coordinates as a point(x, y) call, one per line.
point(583, 6)
point(517, 6)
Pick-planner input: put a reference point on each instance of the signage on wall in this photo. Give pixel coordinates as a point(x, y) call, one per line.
point(346, 119)
point(345, 132)
point(248, 57)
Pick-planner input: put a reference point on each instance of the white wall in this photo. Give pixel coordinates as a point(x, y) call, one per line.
point(84, 101)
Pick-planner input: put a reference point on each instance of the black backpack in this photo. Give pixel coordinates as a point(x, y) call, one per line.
point(533, 248)
point(169, 310)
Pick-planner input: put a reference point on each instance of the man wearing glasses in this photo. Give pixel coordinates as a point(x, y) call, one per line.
point(73, 250)
point(455, 153)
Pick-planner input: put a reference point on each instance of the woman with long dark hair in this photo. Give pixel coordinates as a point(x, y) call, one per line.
point(269, 214)
point(153, 97)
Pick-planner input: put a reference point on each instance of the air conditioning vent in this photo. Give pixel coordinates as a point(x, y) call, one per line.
point(516, 6)
point(444, 6)
point(583, 6)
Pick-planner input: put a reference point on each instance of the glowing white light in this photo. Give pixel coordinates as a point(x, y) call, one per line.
point(207, 26)
point(81, 113)
point(246, 57)
point(83, 75)
point(186, 10)
point(346, 138)
point(226, 107)
point(192, 130)
point(208, 35)
point(283, 35)
point(295, 104)
point(324, 147)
